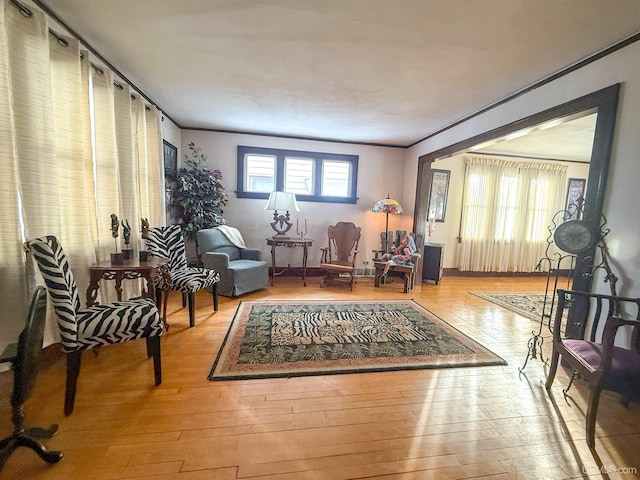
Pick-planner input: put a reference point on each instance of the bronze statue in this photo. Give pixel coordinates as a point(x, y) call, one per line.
point(126, 232)
point(115, 225)
point(145, 228)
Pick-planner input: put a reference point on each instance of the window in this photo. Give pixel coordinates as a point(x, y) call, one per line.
point(312, 176)
point(506, 210)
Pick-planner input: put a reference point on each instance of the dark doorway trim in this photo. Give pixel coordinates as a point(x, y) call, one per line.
point(604, 102)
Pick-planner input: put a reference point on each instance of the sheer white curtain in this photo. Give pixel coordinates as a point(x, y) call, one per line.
point(507, 208)
point(70, 156)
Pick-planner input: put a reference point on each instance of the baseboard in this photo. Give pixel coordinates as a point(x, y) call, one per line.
point(454, 272)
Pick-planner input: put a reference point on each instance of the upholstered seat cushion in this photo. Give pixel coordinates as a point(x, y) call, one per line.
point(190, 279)
point(117, 322)
point(624, 364)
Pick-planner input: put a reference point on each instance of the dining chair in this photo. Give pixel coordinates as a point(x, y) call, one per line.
point(167, 242)
point(25, 357)
point(95, 326)
point(595, 358)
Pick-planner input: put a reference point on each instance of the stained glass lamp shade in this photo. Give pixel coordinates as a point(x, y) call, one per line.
point(387, 206)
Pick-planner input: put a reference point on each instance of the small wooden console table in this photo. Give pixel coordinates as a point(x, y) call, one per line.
point(130, 269)
point(289, 242)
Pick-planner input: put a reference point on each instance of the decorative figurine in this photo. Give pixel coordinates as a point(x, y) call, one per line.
point(116, 258)
point(126, 234)
point(145, 228)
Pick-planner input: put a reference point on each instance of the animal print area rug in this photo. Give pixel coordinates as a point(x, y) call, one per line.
point(529, 305)
point(276, 339)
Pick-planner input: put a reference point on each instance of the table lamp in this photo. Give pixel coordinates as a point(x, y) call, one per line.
point(281, 201)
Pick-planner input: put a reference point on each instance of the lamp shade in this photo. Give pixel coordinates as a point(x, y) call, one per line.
point(283, 201)
point(387, 205)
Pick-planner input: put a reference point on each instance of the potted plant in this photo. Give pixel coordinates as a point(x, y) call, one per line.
point(199, 195)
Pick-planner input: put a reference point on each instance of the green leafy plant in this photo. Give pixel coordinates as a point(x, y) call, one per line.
point(199, 194)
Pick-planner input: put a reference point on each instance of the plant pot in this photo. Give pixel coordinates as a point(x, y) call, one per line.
point(128, 253)
point(144, 255)
point(117, 259)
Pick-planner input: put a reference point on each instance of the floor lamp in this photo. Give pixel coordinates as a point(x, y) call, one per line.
point(387, 206)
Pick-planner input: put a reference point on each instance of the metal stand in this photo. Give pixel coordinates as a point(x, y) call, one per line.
point(554, 261)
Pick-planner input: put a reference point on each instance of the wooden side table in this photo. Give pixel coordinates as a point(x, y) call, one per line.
point(408, 272)
point(289, 242)
point(130, 269)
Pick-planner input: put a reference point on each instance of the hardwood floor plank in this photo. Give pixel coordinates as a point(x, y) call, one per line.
point(479, 422)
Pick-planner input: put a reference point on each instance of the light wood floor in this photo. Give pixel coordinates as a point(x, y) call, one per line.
point(481, 422)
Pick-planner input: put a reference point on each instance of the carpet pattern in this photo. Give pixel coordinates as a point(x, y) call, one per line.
point(529, 305)
point(276, 339)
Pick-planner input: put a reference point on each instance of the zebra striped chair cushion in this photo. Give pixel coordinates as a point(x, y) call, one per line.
point(97, 325)
point(167, 242)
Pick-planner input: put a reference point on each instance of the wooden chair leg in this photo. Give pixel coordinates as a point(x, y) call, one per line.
point(184, 300)
point(214, 293)
point(73, 371)
point(592, 412)
point(192, 309)
point(552, 369)
point(153, 349)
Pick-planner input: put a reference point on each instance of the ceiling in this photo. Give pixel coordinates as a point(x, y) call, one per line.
point(568, 139)
point(373, 71)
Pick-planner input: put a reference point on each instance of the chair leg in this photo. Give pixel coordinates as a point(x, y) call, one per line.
point(165, 298)
point(552, 369)
point(184, 300)
point(592, 412)
point(214, 293)
point(153, 350)
point(192, 309)
point(73, 370)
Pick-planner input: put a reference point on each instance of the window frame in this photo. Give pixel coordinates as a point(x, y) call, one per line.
point(317, 157)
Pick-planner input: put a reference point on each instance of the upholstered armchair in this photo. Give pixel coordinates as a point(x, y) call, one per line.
point(241, 269)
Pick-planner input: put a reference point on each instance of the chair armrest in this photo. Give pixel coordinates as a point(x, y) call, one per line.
point(324, 254)
point(215, 261)
point(609, 337)
point(251, 254)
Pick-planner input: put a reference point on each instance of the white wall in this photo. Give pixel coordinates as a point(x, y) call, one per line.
point(380, 171)
point(172, 133)
point(623, 194)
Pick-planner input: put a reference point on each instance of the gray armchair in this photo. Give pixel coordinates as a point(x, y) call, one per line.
point(241, 269)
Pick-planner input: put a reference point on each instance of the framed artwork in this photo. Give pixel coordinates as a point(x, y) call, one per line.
point(438, 195)
point(170, 159)
point(575, 191)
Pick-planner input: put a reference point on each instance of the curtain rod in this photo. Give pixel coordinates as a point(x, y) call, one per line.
point(26, 12)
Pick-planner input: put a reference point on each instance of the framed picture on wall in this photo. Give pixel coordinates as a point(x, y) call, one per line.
point(170, 159)
point(575, 191)
point(438, 195)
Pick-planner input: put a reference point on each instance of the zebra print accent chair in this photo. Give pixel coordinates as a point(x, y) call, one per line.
point(95, 326)
point(167, 242)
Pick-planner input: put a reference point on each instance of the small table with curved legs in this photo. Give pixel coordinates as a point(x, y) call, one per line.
point(130, 269)
point(274, 242)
